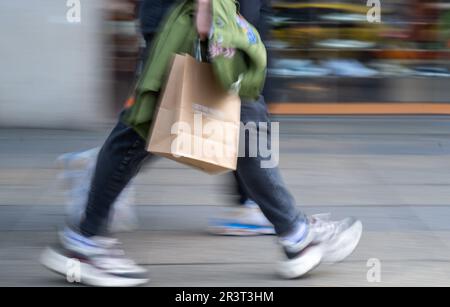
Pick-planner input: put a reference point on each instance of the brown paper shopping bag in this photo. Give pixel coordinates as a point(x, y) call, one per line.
point(197, 121)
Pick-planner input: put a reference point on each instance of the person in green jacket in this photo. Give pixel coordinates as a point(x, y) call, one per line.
point(245, 218)
point(306, 241)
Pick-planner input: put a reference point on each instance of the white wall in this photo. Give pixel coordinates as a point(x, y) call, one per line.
point(51, 71)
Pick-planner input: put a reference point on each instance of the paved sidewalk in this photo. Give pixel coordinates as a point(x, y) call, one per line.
point(393, 173)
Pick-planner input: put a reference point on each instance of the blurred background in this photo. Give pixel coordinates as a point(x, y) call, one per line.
point(365, 131)
point(326, 59)
point(329, 52)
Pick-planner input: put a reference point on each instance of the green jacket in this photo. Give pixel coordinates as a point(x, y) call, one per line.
point(236, 52)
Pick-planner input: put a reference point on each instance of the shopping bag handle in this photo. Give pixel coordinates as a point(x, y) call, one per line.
point(198, 50)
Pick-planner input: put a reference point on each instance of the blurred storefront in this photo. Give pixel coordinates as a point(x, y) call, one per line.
point(328, 58)
point(124, 43)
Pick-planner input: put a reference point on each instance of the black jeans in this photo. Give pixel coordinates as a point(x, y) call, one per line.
point(124, 153)
point(255, 11)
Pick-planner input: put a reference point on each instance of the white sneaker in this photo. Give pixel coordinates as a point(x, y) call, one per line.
point(338, 238)
point(100, 262)
point(324, 241)
point(246, 220)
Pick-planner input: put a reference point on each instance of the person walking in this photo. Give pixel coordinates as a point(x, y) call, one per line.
point(243, 219)
point(306, 241)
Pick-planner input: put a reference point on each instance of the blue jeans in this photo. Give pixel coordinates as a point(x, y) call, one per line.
point(123, 154)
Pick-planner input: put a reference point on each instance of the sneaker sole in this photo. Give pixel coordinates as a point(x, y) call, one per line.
point(90, 275)
point(344, 245)
point(298, 267)
point(240, 232)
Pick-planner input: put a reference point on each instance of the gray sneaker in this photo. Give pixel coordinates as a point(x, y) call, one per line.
point(338, 238)
point(324, 241)
point(245, 220)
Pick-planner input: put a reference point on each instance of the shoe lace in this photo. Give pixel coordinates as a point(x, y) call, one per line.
point(323, 228)
point(112, 255)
